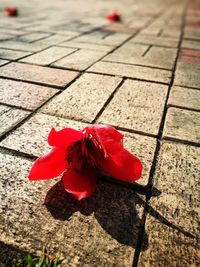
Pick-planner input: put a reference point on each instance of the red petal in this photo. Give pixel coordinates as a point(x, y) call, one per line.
point(123, 166)
point(49, 165)
point(64, 137)
point(80, 185)
point(109, 138)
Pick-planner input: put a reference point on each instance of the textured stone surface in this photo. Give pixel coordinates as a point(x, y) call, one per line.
point(9, 117)
point(136, 105)
point(31, 37)
point(96, 47)
point(155, 40)
point(192, 44)
point(80, 60)
point(48, 55)
point(101, 230)
point(182, 124)
point(38, 74)
point(84, 98)
point(24, 95)
point(155, 57)
point(12, 54)
point(31, 137)
point(172, 221)
point(132, 71)
point(184, 97)
point(3, 62)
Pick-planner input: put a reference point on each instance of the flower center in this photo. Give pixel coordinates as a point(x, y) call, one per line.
point(85, 154)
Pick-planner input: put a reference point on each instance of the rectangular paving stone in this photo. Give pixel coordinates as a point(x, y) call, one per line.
point(184, 97)
point(48, 55)
point(131, 71)
point(12, 54)
point(3, 62)
point(4, 36)
point(33, 36)
point(96, 47)
point(32, 136)
point(155, 40)
point(172, 220)
point(9, 117)
point(182, 124)
point(80, 60)
point(192, 44)
point(38, 74)
point(103, 37)
point(101, 230)
point(155, 57)
point(84, 98)
point(136, 105)
point(24, 95)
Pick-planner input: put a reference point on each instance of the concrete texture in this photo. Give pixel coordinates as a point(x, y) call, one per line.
point(64, 64)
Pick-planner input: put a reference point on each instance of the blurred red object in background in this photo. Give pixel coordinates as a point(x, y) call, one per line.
point(114, 16)
point(11, 11)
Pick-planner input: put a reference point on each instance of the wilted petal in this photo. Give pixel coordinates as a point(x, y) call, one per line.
point(49, 165)
point(109, 138)
point(64, 137)
point(123, 166)
point(78, 184)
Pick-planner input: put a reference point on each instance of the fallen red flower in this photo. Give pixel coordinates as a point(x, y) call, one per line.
point(114, 16)
point(11, 11)
point(78, 155)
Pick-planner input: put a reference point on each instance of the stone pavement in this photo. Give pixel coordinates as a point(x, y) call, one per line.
point(63, 64)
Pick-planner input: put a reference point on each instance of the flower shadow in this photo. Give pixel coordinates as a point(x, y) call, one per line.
point(118, 210)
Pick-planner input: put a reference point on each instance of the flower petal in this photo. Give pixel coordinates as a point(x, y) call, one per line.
point(49, 165)
point(123, 166)
point(109, 138)
point(79, 184)
point(64, 137)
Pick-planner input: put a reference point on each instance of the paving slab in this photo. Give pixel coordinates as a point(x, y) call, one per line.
point(9, 117)
point(131, 71)
point(83, 99)
point(172, 220)
point(38, 74)
point(138, 106)
point(155, 40)
point(192, 44)
point(79, 60)
point(184, 97)
point(32, 37)
point(101, 230)
point(183, 125)
point(24, 95)
point(12, 54)
point(155, 57)
point(3, 62)
point(48, 56)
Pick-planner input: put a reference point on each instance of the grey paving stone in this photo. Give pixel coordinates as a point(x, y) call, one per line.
point(96, 47)
point(184, 97)
point(136, 105)
point(4, 36)
point(11, 32)
point(131, 71)
point(24, 95)
point(131, 49)
point(155, 40)
point(155, 57)
point(38, 74)
point(9, 117)
point(103, 38)
point(3, 62)
point(12, 54)
point(84, 98)
point(48, 55)
point(182, 124)
point(31, 137)
point(192, 44)
point(101, 230)
point(173, 216)
point(33, 36)
point(79, 60)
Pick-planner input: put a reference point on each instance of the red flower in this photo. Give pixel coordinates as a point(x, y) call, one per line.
point(114, 16)
point(78, 154)
point(11, 11)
